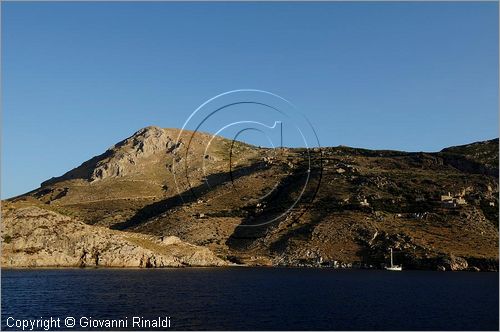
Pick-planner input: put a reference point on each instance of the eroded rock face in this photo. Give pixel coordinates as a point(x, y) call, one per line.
point(454, 263)
point(34, 237)
point(125, 156)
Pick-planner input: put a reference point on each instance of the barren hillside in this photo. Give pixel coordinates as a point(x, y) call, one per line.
point(333, 206)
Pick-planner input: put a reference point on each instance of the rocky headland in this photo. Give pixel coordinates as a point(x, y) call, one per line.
point(35, 237)
point(154, 200)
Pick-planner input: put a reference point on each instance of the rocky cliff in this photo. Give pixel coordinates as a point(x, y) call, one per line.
point(36, 237)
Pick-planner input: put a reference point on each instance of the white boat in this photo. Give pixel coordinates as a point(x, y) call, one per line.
point(394, 267)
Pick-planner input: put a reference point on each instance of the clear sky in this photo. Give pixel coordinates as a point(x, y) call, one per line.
point(79, 77)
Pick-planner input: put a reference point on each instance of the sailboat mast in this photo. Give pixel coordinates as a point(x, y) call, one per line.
point(391, 259)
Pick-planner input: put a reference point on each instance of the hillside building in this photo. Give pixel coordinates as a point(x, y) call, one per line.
point(453, 200)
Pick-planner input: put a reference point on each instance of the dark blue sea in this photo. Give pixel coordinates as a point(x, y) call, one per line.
point(255, 298)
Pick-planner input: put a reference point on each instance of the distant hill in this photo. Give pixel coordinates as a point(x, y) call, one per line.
point(480, 155)
point(333, 206)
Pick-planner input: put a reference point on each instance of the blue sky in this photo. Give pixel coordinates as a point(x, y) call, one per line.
point(79, 77)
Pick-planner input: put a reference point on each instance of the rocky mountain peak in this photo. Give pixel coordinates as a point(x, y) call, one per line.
point(145, 141)
point(125, 156)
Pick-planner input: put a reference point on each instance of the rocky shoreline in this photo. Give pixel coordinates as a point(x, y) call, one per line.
point(35, 237)
point(347, 266)
point(444, 263)
point(38, 238)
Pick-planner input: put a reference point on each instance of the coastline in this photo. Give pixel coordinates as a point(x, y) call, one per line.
point(230, 266)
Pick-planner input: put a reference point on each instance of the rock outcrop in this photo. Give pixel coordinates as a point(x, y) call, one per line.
point(453, 263)
point(36, 237)
point(124, 157)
